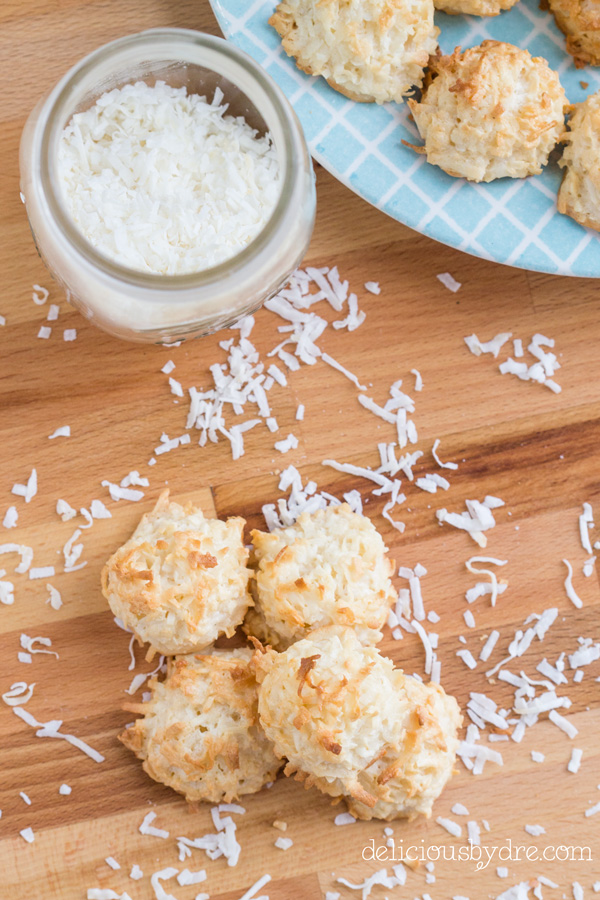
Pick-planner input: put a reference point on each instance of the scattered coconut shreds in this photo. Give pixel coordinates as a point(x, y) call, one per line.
point(372, 287)
point(2, 321)
point(283, 843)
point(490, 572)
point(586, 521)
point(535, 830)
point(111, 861)
point(65, 790)
point(377, 878)
point(222, 843)
point(467, 658)
point(53, 312)
point(122, 493)
point(475, 521)
point(163, 875)
point(575, 761)
point(65, 511)
point(186, 877)
point(41, 572)
point(28, 644)
point(449, 282)
point(24, 797)
point(569, 729)
point(28, 835)
point(99, 510)
point(592, 810)
point(290, 443)
point(168, 367)
point(253, 891)
point(106, 894)
point(460, 810)
point(70, 334)
point(40, 294)
point(29, 490)
point(344, 819)
point(450, 826)
point(11, 517)
point(442, 465)
point(175, 387)
point(51, 730)
point(44, 332)
point(571, 593)
point(493, 346)
point(63, 431)
point(147, 828)
point(20, 693)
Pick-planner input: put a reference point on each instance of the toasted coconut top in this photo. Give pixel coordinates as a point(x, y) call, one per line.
point(372, 50)
point(330, 567)
point(181, 579)
point(199, 733)
point(490, 112)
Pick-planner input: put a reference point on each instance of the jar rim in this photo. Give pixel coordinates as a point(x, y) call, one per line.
point(292, 135)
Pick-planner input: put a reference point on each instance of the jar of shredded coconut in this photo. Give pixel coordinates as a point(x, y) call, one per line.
point(168, 185)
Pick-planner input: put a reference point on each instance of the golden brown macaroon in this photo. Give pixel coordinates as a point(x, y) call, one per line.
point(579, 20)
point(355, 727)
point(491, 112)
point(369, 50)
point(579, 193)
point(199, 733)
point(181, 580)
point(474, 7)
point(330, 567)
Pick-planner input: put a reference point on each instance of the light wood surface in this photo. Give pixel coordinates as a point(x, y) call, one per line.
point(518, 441)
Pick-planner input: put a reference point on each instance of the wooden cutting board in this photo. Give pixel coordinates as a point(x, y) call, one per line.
point(536, 450)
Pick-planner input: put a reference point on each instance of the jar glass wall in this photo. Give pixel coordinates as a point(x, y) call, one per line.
point(164, 308)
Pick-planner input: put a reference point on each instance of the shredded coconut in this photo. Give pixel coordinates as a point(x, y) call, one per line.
point(217, 181)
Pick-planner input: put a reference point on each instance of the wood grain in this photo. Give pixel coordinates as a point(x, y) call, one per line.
point(519, 441)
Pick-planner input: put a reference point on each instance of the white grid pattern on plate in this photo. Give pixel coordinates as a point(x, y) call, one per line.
point(507, 228)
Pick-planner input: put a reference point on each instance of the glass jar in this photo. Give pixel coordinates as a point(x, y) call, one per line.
point(165, 308)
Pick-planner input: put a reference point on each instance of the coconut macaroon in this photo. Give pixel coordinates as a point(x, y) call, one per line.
point(369, 50)
point(181, 580)
point(579, 20)
point(355, 727)
point(414, 769)
point(474, 7)
point(579, 193)
point(491, 112)
point(199, 733)
point(329, 568)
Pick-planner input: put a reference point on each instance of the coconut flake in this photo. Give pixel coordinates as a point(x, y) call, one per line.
point(571, 593)
point(40, 294)
point(65, 790)
point(69, 334)
point(163, 875)
point(51, 729)
point(283, 843)
point(450, 826)
point(20, 693)
point(449, 282)
point(569, 729)
point(493, 346)
point(148, 829)
point(442, 465)
point(63, 431)
point(29, 490)
point(11, 517)
point(28, 835)
point(575, 761)
point(345, 818)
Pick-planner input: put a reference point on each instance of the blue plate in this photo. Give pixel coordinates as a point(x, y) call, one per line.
point(511, 221)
